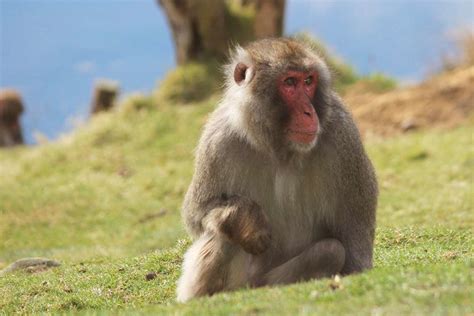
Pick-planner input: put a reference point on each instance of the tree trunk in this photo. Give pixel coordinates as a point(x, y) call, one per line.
point(269, 18)
point(105, 94)
point(11, 108)
point(198, 28)
point(203, 28)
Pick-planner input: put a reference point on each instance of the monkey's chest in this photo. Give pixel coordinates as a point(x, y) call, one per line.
point(294, 220)
point(291, 205)
point(293, 226)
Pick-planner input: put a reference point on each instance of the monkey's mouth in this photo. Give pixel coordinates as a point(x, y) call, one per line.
point(303, 137)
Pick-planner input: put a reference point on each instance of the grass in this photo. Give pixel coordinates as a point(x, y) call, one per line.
point(105, 201)
point(378, 82)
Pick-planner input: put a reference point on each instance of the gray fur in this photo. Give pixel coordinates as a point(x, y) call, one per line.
point(322, 198)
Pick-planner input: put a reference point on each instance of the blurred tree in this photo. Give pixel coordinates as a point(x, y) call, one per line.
point(205, 28)
point(269, 18)
point(11, 107)
point(105, 94)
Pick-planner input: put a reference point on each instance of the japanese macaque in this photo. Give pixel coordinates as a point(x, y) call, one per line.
point(283, 190)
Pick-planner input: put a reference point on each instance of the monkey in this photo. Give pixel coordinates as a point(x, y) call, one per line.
point(283, 190)
point(11, 107)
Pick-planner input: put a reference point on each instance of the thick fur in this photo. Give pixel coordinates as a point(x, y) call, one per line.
point(265, 211)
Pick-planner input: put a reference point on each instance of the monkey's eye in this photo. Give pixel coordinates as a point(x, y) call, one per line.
point(308, 80)
point(290, 81)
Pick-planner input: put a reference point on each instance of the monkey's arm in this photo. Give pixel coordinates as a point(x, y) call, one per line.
point(207, 190)
point(210, 207)
point(234, 218)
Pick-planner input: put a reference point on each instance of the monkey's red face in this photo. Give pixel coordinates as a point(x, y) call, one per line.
point(297, 89)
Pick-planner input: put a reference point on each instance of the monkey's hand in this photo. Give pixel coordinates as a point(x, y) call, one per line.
point(244, 223)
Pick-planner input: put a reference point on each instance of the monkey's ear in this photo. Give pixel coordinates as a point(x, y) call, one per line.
point(243, 73)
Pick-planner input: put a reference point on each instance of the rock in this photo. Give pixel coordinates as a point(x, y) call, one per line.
point(408, 125)
point(31, 265)
point(150, 276)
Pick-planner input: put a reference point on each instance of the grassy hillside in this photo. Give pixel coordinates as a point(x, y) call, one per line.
point(112, 189)
point(105, 202)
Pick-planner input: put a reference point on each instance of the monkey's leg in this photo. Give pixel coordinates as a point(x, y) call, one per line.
point(323, 259)
point(217, 261)
point(212, 264)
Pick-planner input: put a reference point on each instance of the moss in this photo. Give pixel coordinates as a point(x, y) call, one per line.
point(137, 102)
point(189, 83)
point(240, 22)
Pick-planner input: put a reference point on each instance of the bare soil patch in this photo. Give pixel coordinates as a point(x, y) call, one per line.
point(443, 101)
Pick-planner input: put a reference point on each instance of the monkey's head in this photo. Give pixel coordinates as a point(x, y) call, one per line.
point(277, 91)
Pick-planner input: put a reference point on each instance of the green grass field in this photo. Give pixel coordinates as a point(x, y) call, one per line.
point(105, 202)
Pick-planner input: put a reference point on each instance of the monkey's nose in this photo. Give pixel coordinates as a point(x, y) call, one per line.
point(307, 113)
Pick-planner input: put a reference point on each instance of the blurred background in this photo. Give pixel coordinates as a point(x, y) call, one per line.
point(110, 97)
point(53, 52)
